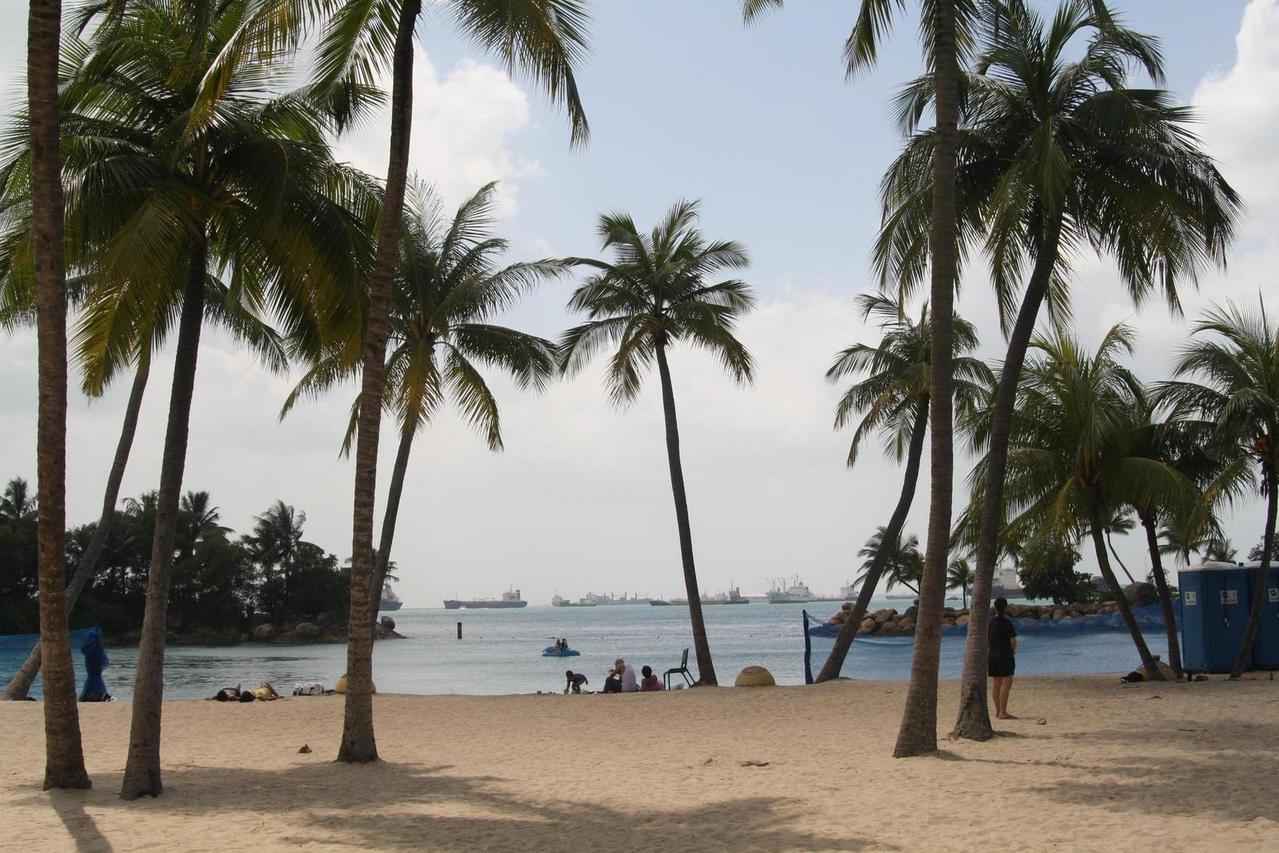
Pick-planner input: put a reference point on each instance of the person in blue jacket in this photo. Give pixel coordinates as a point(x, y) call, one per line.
point(95, 661)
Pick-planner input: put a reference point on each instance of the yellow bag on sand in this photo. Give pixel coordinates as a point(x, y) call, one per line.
point(340, 687)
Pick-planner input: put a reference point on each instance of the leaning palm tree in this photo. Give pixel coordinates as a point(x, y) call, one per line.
point(1238, 393)
point(447, 287)
point(1072, 454)
point(545, 38)
point(1055, 155)
point(892, 399)
point(1184, 445)
point(946, 27)
point(185, 166)
point(654, 294)
point(64, 756)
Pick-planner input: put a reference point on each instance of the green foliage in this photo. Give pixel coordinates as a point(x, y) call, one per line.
point(1258, 550)
point(1048, 572)
point(905, 563)
point(220, 582)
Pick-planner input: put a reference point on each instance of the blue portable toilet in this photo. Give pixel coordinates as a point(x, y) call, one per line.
point(1214, 615)
point(1265, 650)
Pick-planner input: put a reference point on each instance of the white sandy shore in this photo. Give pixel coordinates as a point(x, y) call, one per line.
point(1151, 766)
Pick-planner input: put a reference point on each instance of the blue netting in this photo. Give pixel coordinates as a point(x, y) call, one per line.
point(14, 649)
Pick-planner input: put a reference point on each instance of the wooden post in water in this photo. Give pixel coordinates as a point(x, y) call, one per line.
point(459, 630)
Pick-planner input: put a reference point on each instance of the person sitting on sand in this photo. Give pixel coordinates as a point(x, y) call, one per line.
point(626, 673)
point(612, 683)
point(649, 681)
point(1003, 658)
point(575, 681)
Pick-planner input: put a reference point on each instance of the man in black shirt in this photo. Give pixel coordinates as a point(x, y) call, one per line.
point(1003, 662)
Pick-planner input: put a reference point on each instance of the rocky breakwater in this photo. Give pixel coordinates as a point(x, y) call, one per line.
point(1028, 617)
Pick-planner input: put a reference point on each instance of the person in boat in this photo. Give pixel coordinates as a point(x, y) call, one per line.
point(1003, 658)
point(95, 661)
point(626, 675)
point(649, 682)
point(575, 680)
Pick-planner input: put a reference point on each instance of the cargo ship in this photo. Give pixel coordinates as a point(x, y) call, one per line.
point(507, 601)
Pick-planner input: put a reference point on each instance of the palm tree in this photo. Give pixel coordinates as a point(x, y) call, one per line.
point(17, 502)
point(653, 295)
point(1054, 154)
point(1073, 455)
point(1182, 445)
point(960, 576)
point(274, 542)
point(902, 563)
point(447, 286)
point(187, 167)
point(1239, 395)
point(893, 399)
point(547, 39)
point(946, 27)
point(64, 756)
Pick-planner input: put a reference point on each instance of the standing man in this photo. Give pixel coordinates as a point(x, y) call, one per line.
point(1003, 660)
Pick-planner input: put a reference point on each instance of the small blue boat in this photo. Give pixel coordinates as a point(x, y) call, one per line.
point(553, 652)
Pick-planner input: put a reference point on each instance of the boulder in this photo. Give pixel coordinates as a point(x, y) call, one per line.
point(307, 631)
point(868, 626)
point(961, 619)
point(264, 632)
point(1141, 594)
point(754, 676)
point(911, 612)
point(387, 622)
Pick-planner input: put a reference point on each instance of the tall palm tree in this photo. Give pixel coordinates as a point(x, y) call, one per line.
point(17, 502)
point(654, 294)
point(546, 39)
point(273, 544)
point(946, 28)
point(1238, 392)
point(64, 756)
point(960, 576)
point(893, 399)
point(448, 284)
point(1054, 154)
point(186, 166)
point(1073, 455)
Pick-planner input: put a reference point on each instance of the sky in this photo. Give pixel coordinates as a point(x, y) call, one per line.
point(785, 155)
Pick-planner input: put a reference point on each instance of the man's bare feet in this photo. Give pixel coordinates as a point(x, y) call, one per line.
point(1005, 717)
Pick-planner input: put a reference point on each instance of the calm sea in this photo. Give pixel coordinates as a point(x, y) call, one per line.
point(501, 651)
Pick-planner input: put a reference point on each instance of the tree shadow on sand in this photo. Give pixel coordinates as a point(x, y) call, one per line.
point(400, 806)
point(1224, 772)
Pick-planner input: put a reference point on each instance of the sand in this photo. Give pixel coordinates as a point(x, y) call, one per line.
point(1114, 767)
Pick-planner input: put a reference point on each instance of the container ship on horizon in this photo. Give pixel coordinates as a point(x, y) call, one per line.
point(507, 601)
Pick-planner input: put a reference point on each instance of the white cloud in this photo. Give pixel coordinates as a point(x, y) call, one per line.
point(466, 125)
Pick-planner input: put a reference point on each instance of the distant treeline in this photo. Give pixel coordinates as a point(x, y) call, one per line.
point(221, 582)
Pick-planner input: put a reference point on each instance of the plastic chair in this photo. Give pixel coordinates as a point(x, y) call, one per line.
point(682, 669)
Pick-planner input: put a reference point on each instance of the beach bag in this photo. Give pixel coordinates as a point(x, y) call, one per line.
point(310, 688)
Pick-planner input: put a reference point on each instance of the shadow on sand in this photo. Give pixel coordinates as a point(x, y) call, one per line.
point(399, 806)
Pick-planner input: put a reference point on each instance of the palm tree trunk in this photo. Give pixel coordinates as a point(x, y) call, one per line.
point(973, 719)
point(142, 767)
point(358, 742)
point(918, 732)
point(848, 631)
point(1115, 554)
point(1112, 582)
point(392, 513)
point(705, 668)
point(1259, 586)
point(1165, 597)
point(64, 755)
point(21, 683)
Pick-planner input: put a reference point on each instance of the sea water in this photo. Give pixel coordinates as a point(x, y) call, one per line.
point(501, 651)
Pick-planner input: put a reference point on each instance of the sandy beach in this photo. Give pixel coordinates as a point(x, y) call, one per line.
point(1113, 767)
